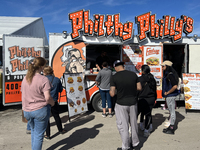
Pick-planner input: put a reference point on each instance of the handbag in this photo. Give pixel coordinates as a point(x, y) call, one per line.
point(23, 118)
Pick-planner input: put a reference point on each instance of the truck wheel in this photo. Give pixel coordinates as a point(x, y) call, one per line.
point(97, 103)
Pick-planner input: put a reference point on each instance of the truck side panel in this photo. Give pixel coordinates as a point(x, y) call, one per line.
point(17, 52)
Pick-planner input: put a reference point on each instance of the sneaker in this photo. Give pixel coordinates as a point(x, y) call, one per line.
point(63, 131)
point(47, 138)
point(146, 133)
point(142, 126)
point(28, 131)
point(110, 115)
point(168, 130)
point(163, 108)
point(150, 128)
point(103, 115)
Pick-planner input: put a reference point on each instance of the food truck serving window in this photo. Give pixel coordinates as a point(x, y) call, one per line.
point(93, 51)
point(176, 53)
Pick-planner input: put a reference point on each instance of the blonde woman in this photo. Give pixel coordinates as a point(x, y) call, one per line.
point(36, 101)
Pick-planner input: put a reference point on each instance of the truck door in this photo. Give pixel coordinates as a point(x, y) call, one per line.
point(194, 61)
point(17, 52)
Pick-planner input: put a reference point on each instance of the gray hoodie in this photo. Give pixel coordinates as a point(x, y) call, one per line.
point(103, 77)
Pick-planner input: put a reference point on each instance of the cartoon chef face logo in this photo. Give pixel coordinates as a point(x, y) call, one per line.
point(72, 60)
point(69, 58)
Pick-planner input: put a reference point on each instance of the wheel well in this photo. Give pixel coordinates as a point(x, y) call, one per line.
point(93, 96)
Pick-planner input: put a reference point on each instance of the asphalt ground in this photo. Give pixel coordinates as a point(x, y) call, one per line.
point(90, 131)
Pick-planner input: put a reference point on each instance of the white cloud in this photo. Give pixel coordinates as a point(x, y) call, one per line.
point(61, 15)
point(84, 5)
point(125, 2)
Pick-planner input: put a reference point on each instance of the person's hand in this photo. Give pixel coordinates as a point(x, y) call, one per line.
point(166, 93)
point(97, 83)
point(52, 103)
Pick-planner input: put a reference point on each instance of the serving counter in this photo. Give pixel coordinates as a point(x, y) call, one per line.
point(90, 77)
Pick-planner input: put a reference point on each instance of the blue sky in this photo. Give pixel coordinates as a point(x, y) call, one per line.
point(55, 12)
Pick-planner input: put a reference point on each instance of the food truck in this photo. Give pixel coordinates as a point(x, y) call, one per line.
point(155, 42)
point(21, 39)
point(76, 52)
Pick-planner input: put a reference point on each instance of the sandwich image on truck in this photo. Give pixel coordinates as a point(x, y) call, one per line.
point(152, 61)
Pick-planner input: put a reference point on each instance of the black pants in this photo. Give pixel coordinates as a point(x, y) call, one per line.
point(55, 114)
point(113, 99)
point(145, 109)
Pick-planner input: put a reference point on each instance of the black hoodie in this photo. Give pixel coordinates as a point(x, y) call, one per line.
point(148, 87)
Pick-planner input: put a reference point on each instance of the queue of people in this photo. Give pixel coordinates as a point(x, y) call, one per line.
point(134, 94)
point(138, 95)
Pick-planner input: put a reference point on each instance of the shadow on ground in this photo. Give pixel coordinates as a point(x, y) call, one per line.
point(158, 120)
point(74, 121)
point(79, 136)
point(10, 108)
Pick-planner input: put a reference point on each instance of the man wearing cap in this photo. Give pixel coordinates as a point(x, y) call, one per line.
point(126, 83)
point(169, 92)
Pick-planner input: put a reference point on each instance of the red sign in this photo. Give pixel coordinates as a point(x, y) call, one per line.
point(101, 25)
point(12, 92)
point(166, 27)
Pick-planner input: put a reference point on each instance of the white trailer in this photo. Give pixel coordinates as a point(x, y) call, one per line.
point(21, 39)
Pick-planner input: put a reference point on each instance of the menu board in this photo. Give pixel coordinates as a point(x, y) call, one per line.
point(191, 90)
point(75, 91)
point(132, 58)
point(152, 56)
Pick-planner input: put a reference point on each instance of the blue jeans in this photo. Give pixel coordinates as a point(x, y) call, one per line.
point(105, 95)
point(38, 120)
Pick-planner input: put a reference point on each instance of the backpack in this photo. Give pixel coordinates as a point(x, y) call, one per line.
point(179, 82)
point(146, 91)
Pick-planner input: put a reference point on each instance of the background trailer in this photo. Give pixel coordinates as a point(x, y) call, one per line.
point(21, 39)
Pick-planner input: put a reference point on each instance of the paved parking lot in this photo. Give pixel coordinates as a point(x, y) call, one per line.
point(90, 131)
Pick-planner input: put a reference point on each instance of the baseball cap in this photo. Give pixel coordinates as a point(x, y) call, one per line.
point(117, 63)
point(167, 62)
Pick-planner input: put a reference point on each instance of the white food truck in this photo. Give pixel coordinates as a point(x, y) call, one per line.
point(77, 52)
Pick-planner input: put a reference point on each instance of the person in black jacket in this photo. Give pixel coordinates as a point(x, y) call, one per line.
point(169, 92)
point(147, 97)
point(55, 90)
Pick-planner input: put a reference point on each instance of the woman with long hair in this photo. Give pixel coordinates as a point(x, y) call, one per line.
point(147, 97)
point(169, 92)
point(36, 101)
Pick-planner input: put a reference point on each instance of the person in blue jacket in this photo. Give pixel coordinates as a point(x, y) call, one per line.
point(56, 88)
point(169, 92)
